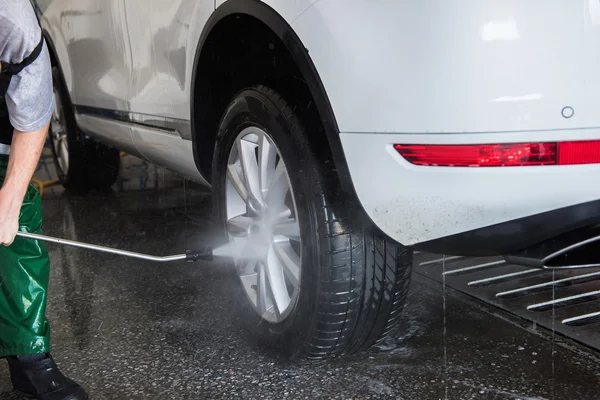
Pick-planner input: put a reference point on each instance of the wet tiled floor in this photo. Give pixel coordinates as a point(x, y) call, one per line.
point(130, 329)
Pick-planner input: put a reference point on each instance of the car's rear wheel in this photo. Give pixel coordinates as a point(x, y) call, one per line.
point(80, 162)
point(313, 280)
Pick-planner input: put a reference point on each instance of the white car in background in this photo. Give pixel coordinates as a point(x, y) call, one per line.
point(339, 135)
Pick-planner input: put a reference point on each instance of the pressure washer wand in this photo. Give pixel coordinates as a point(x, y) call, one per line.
point(204, 253)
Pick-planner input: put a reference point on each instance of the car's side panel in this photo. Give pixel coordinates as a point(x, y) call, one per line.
point(164, 34)
point(159, 31)
point(95, 37)
point(90, 41)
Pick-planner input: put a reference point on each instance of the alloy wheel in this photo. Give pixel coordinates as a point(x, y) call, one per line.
point(262, 223)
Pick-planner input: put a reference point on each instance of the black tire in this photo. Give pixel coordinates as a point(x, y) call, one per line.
point(92, 165)
point(353, 281)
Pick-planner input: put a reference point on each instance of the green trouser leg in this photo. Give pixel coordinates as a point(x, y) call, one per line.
point(24, 275)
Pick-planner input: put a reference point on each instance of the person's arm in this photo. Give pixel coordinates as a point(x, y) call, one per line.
point(25, 152)
point(30, 103)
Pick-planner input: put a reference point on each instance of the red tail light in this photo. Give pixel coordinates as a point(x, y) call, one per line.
point(587, 152)
point(501, 155)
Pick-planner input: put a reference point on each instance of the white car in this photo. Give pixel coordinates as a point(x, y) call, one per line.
point(339, 135)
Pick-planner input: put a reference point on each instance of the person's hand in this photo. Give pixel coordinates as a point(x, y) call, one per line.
point(9, 219)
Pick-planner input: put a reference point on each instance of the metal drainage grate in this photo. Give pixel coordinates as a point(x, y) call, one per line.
point(567, 301)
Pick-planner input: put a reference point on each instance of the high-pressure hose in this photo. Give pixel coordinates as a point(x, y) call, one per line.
point(204, 253)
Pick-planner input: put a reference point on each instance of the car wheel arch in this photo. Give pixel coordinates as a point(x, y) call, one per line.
point(55, 61)
point(204, 125)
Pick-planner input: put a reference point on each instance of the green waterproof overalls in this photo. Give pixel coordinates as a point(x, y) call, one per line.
point(24, 266)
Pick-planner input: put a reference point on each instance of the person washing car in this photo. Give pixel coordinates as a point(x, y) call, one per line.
point(26, 107)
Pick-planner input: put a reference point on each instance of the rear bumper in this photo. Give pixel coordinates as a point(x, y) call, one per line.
point(471, 211)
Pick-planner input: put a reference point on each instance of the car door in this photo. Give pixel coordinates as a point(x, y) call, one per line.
point(163, 36)
point(97, 68)
point(99, 53)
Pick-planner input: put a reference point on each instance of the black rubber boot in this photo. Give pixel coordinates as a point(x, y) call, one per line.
point(40, 378)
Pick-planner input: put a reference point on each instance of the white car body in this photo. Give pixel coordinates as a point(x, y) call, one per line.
point(394, 71)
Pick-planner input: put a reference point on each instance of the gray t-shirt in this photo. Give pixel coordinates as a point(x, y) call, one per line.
point(30, 99)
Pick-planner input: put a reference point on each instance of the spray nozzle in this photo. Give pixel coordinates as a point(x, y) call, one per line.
point(204, 253)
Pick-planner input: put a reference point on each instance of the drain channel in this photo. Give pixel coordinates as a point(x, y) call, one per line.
point(532, 294)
